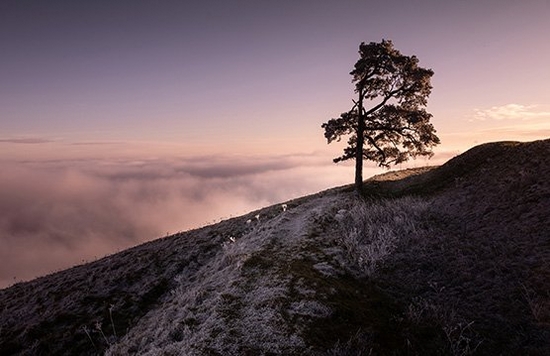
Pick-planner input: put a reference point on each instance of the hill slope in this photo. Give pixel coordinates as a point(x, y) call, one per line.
point(447, 260)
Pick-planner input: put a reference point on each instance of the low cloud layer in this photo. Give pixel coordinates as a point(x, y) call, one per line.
point(56, 214)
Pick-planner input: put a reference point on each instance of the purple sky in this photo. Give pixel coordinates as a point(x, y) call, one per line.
point(122, 120)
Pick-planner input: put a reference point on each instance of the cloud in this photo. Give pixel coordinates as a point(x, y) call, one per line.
point(96, 143)
point(30, 140)
point(510, 112)
point(54, 214)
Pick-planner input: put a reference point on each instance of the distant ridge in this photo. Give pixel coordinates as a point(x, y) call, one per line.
point(441, 260)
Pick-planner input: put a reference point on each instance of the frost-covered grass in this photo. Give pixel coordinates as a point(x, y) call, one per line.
point(251, 298)
point(374, 234)
point(372, 230)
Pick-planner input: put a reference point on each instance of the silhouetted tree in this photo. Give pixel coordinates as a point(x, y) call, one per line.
point(395, 126)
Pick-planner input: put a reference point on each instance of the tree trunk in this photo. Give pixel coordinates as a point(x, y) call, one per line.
point(359, 147)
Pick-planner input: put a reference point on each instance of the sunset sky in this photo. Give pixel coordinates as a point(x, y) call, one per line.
point(121, 121)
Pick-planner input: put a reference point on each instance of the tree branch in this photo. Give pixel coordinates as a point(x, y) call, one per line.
point(381, 151)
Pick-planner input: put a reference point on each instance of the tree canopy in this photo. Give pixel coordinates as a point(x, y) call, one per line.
point(395, 125)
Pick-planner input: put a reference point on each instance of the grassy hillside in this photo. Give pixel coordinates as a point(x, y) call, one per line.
point(451, 260)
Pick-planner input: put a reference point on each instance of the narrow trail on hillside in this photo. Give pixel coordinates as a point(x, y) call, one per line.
point(254, 297)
